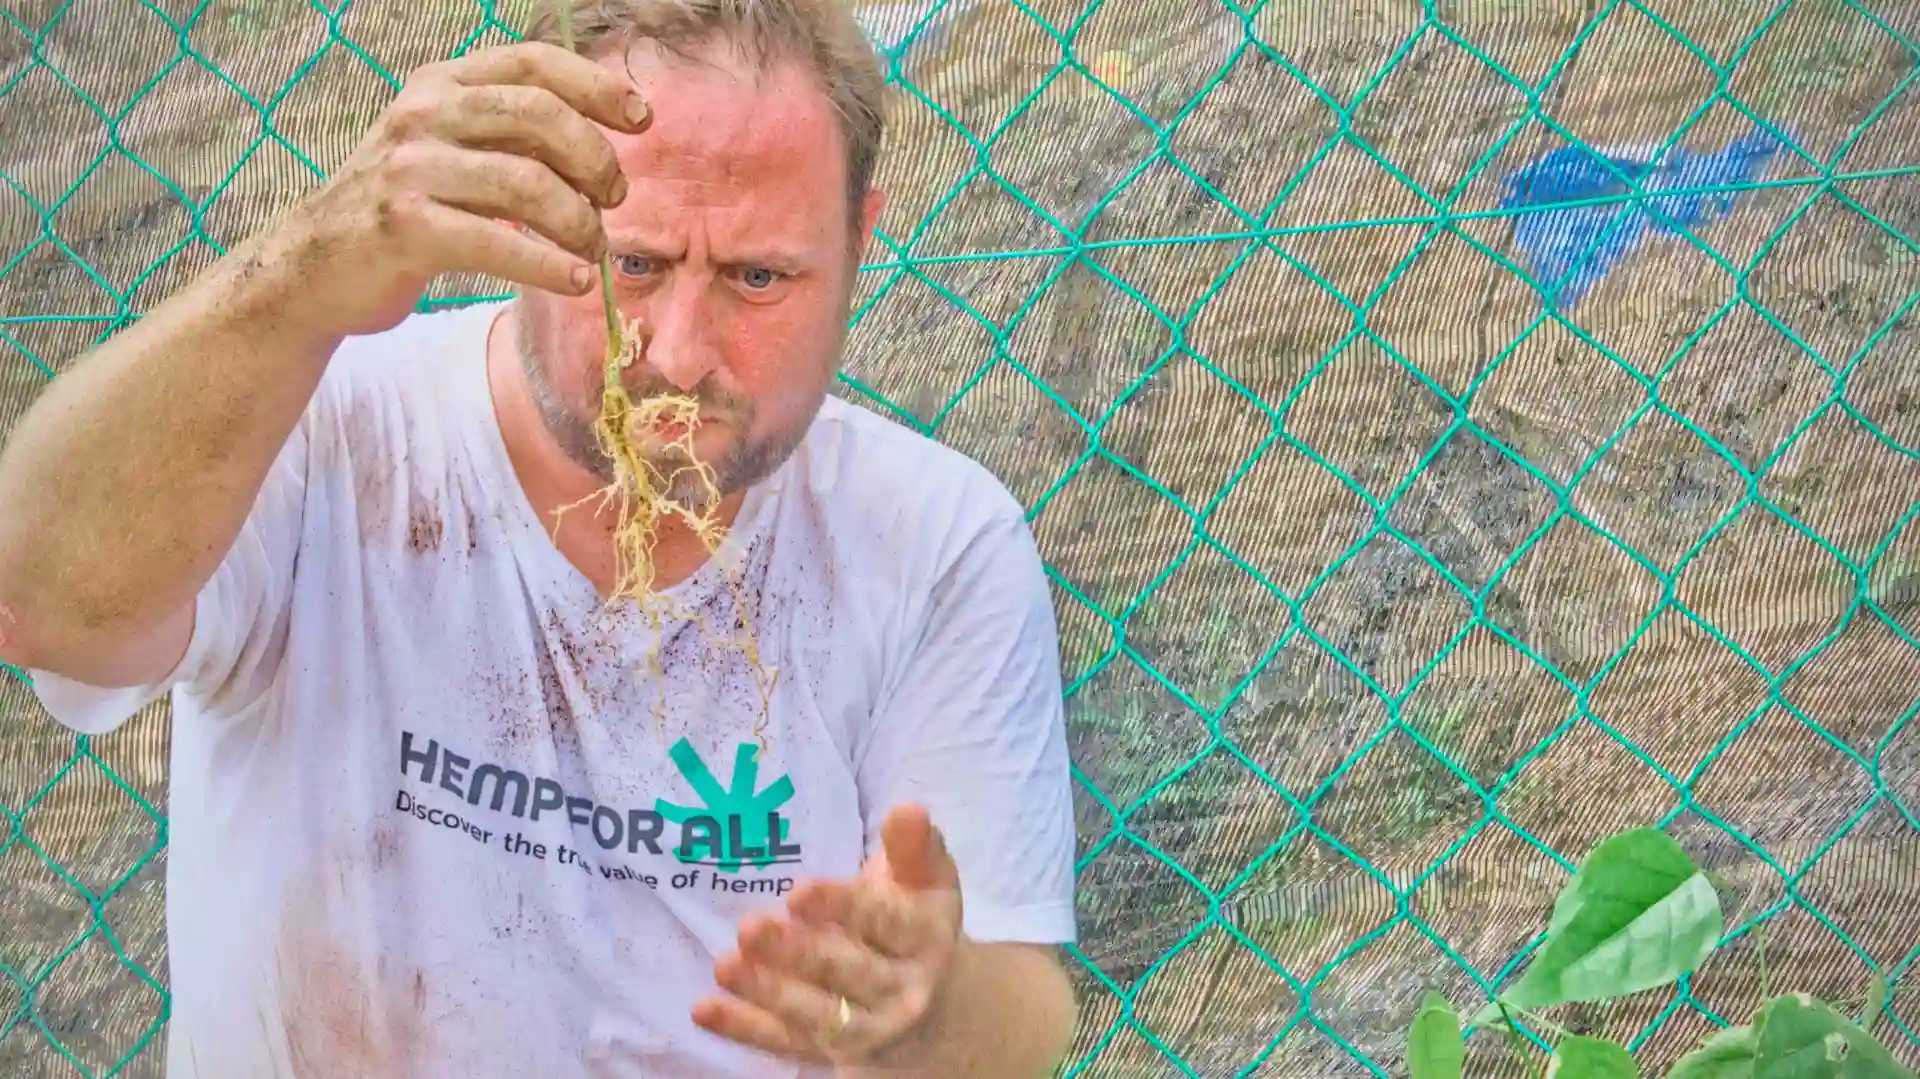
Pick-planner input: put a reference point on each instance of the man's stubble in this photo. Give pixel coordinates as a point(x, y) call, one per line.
point(746, 461)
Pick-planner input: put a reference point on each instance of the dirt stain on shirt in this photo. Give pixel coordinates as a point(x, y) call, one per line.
point(341, 1013)
point(424, 529)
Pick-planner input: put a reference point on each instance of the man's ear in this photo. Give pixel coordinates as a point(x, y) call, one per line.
point(870, 209)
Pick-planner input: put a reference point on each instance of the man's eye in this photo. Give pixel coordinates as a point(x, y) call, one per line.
point(759, 278)
point(633, 265)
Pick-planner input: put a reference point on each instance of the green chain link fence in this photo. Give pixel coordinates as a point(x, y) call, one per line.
point(1455, 431)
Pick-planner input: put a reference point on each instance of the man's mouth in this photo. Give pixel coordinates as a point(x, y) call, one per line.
point(667, 429)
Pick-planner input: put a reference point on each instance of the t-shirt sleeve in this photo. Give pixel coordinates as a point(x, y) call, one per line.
point(240, 615)
point(972, 728)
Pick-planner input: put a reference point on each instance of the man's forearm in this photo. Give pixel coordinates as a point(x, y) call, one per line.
point(1008, 1011)
point(130, 476)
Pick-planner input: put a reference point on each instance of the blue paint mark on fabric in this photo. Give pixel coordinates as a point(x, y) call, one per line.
point(1573, 248)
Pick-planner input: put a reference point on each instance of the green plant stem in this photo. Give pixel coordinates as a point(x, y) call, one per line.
point(1545, 1022)
point(1514, 1040)
point(613, 317)
point(565, 14)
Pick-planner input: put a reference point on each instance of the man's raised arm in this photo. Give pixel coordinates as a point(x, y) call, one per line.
point(129, 478)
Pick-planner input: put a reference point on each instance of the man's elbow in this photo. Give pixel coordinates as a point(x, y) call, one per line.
point(33, 623)
point(27, 641)
point(1060, 1007)
point(136, 656)
point(13, 643)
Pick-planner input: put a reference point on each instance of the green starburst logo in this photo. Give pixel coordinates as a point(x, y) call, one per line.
point(735, 825)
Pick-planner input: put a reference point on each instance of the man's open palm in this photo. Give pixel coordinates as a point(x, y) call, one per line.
point(885, 942)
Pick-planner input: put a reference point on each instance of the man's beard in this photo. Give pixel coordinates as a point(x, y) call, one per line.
point(747, 461)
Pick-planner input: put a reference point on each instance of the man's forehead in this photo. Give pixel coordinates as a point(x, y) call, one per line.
point(718, 126)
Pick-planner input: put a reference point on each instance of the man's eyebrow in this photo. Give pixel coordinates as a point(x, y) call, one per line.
point(758, 253)
point(628, 243)
point(766, 250)
point(768, 258)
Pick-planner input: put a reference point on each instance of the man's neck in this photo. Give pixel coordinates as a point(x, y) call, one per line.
point(554, 481)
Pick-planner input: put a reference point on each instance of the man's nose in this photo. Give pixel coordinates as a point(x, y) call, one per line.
point(680, 341)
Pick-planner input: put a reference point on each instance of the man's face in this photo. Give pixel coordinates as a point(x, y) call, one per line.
point(734, 251)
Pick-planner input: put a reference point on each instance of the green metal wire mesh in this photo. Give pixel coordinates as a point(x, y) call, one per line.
point(1454, 430)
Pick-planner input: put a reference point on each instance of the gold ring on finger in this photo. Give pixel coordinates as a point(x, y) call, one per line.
point(842, 1016)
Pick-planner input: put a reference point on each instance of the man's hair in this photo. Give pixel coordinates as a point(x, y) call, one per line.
point(820, 34)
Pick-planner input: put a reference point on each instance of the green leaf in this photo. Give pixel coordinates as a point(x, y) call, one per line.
point(1434, 1049)
point(1578, 1057)
point(1726, 1055)
point(1638, 914)
point(1803, 1038)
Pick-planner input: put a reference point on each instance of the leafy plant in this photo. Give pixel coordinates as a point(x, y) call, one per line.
point(1639, 915)
point(1434, 1049)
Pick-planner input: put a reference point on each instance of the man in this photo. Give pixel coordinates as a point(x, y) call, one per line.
point(439, 808)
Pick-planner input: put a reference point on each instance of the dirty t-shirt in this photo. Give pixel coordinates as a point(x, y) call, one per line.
point(436, 811)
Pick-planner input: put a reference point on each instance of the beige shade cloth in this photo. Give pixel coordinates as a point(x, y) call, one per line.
point(1186, 406)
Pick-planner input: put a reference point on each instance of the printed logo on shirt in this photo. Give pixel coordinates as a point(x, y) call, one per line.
point(738, 802)
point(733, 827)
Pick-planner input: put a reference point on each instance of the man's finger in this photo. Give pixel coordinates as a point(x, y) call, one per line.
point(532, 121)
point(916, 852)
point(878, 916)
point(807, 1010)
point(598, 92)
point(825, 956)
point(742, 1022)
point(504, 186)
point(818, 902)
point(493, 247)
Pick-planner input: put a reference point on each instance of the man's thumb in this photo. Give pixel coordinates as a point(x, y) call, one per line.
point(916, 852)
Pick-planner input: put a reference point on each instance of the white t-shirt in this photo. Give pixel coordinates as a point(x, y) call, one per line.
point(433, 813)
